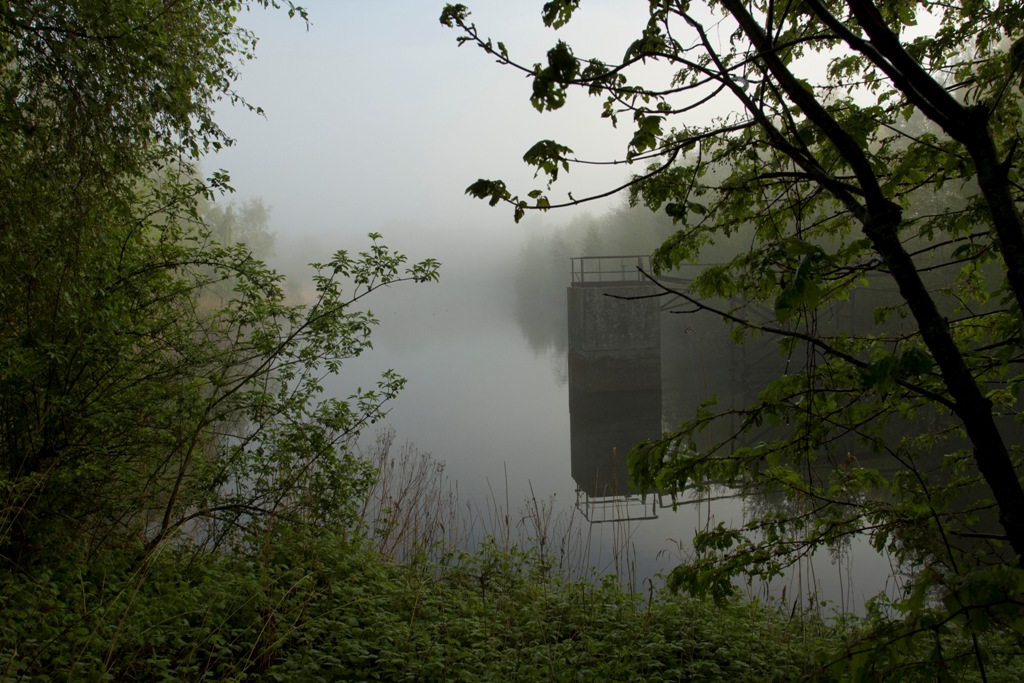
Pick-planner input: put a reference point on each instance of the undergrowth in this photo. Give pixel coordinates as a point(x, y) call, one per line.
point(402, 600)
point(324, 608)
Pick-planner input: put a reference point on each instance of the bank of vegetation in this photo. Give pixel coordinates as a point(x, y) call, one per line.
point(415, 588)
point(178, 500)
point(321, 607)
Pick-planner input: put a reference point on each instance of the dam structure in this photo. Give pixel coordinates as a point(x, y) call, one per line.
point(615, 382)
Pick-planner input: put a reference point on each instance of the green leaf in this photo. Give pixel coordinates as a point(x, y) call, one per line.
point(492, 190)
point(801, 293)
point(883, 374)
point(548, 156)
point(647, 134)
point(557, 13)
point(550, 83)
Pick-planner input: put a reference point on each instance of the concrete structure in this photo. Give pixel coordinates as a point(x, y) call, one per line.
point(614, 372)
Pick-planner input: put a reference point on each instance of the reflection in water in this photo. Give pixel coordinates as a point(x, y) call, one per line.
point(483, 400)
point(623, 389)
point(614, 387)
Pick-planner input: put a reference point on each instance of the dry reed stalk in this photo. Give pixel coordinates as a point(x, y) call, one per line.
point(413, 511)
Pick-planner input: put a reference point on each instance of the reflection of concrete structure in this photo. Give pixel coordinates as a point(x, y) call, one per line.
point(702, 362)
point(614, 373)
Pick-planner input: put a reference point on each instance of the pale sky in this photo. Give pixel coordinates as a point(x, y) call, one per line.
point(377, 120)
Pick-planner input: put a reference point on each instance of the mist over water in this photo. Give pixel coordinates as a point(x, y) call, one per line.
point(488, 395)
point(365, 135)
point(485, 355)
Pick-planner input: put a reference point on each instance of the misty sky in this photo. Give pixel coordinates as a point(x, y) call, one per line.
point(377, 120)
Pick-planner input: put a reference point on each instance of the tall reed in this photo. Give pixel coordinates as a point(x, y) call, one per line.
point(414, 511)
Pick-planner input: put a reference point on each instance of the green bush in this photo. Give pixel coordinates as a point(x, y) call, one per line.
point(309, 608)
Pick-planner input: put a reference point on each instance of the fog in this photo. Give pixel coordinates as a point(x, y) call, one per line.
point(376, 121)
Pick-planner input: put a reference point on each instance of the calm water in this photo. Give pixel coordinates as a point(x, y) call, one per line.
point(497, 413)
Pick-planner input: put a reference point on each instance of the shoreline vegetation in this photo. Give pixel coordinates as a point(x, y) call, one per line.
point(393, 598)
point(179, 500)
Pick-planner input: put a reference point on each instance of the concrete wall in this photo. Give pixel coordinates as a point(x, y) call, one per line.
point(614, 382)
point(600, 324)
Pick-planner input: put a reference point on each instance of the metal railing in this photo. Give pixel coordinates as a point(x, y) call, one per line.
point(604, 270)
point(620, 508)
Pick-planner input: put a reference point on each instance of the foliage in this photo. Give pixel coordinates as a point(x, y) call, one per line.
point(305, 606)
point(156, 386)
point(159, 395)
point(178, 411)
point(246, 222)
point(316, 607)
point(836, 147)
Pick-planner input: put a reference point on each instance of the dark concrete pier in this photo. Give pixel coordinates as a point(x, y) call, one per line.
point(614, 372)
